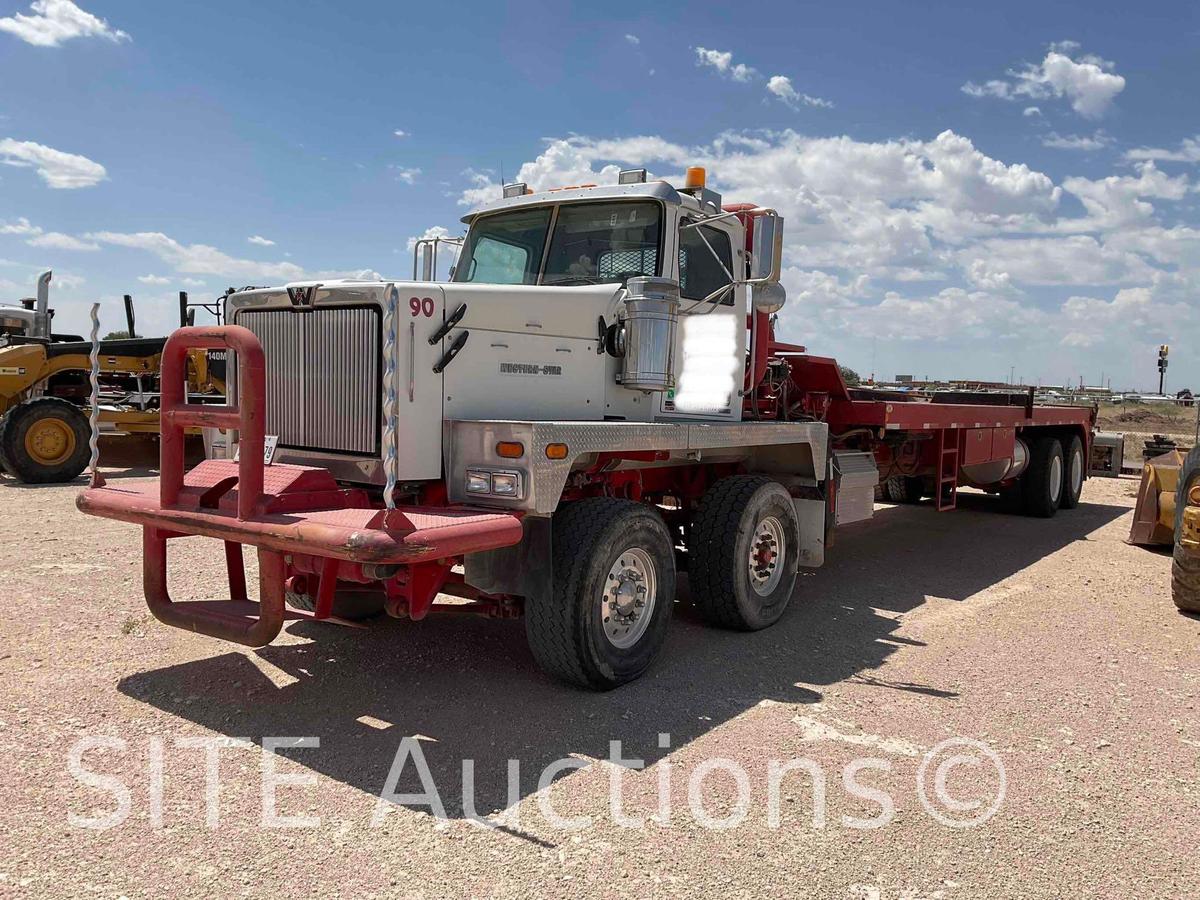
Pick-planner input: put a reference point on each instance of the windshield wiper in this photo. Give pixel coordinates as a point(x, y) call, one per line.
point(580, 279)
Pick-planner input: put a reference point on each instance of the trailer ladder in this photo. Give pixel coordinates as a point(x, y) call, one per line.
point(946, 492)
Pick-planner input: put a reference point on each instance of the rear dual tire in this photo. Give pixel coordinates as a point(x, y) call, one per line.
point(1054, 477)
point(1042, 484)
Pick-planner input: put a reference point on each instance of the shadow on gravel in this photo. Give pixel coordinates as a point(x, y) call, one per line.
point(471, 688)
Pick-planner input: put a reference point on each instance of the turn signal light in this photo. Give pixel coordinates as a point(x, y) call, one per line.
point(510, 449)
point(556, 451)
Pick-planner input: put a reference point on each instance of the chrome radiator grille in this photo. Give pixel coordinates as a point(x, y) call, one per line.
point(323, 371)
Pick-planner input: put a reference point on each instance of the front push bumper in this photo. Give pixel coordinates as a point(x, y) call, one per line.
point(281, 510)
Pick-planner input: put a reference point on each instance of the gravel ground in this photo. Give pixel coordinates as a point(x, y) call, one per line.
point(1052, 643)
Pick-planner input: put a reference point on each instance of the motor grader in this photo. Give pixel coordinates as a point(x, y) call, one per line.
point(44, 389)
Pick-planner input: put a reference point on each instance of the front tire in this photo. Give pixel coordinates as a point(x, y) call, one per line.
point(45, 441)
point(606, 618)
point(743, 551)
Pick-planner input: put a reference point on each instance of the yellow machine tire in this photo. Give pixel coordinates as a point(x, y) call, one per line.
point(44, 441)
point(1185, 567)
point(1185, 579)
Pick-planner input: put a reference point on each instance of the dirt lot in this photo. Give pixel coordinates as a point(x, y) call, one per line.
point(1141, 420)
point(1052, 643)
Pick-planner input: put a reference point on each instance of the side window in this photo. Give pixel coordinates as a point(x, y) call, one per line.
point(496, 262)
point(699, 271)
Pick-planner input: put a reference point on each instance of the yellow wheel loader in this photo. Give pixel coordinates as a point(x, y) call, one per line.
point(44, 389)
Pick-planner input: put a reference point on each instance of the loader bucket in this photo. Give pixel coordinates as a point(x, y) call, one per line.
point(1154, 515)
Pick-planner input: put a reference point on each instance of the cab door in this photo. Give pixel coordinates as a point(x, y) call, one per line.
point(711, 339)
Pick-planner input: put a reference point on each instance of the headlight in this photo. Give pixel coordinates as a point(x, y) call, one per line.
point(505, 484)
point(479, 483)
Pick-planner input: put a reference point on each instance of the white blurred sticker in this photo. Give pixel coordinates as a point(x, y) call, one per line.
point(706, 384)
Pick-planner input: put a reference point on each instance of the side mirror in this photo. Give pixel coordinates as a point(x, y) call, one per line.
point(768, 297)
point(766, 250)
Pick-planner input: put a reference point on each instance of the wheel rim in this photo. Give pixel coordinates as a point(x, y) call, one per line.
point(50, 441)
point(630, 592)
point(1076, 473)
point(1056, 478)
point(768, 553)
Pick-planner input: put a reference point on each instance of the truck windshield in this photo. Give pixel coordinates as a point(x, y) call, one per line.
point(592, 243)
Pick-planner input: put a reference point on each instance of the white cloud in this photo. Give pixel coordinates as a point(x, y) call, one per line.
point(1120, 200)
point(400, 133)
point(52, 22)
point(1147, 315)
point(56, 240)
point(1097, 141)
point(1087, 81)
point(408, 176)
point(781, 87)
point(20, 227)
point(1031, 111)
point(435, 231)
point(994, 88)
point(633, 39)
point(56, 168)
point(1073, 260)
point(1189, 151)
point(722, 61)
point(202, 259)
point(156, 280)
point(199, 259)
point(260, 240)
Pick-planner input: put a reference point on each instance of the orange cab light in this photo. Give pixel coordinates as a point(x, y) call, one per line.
point(556, 451)
point(510, 449)
point(694, 178)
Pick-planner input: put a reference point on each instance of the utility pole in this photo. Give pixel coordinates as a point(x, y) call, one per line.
point(1162, 365)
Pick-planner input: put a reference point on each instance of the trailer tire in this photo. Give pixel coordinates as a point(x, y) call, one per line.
point(45, 441)
point(904, 489)
point(1042, 483)
point(1074, 472)
point(351, 605)
point(745, 523)
point(606, 617)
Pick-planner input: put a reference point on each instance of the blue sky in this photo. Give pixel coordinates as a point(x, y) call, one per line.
point(968, 187)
